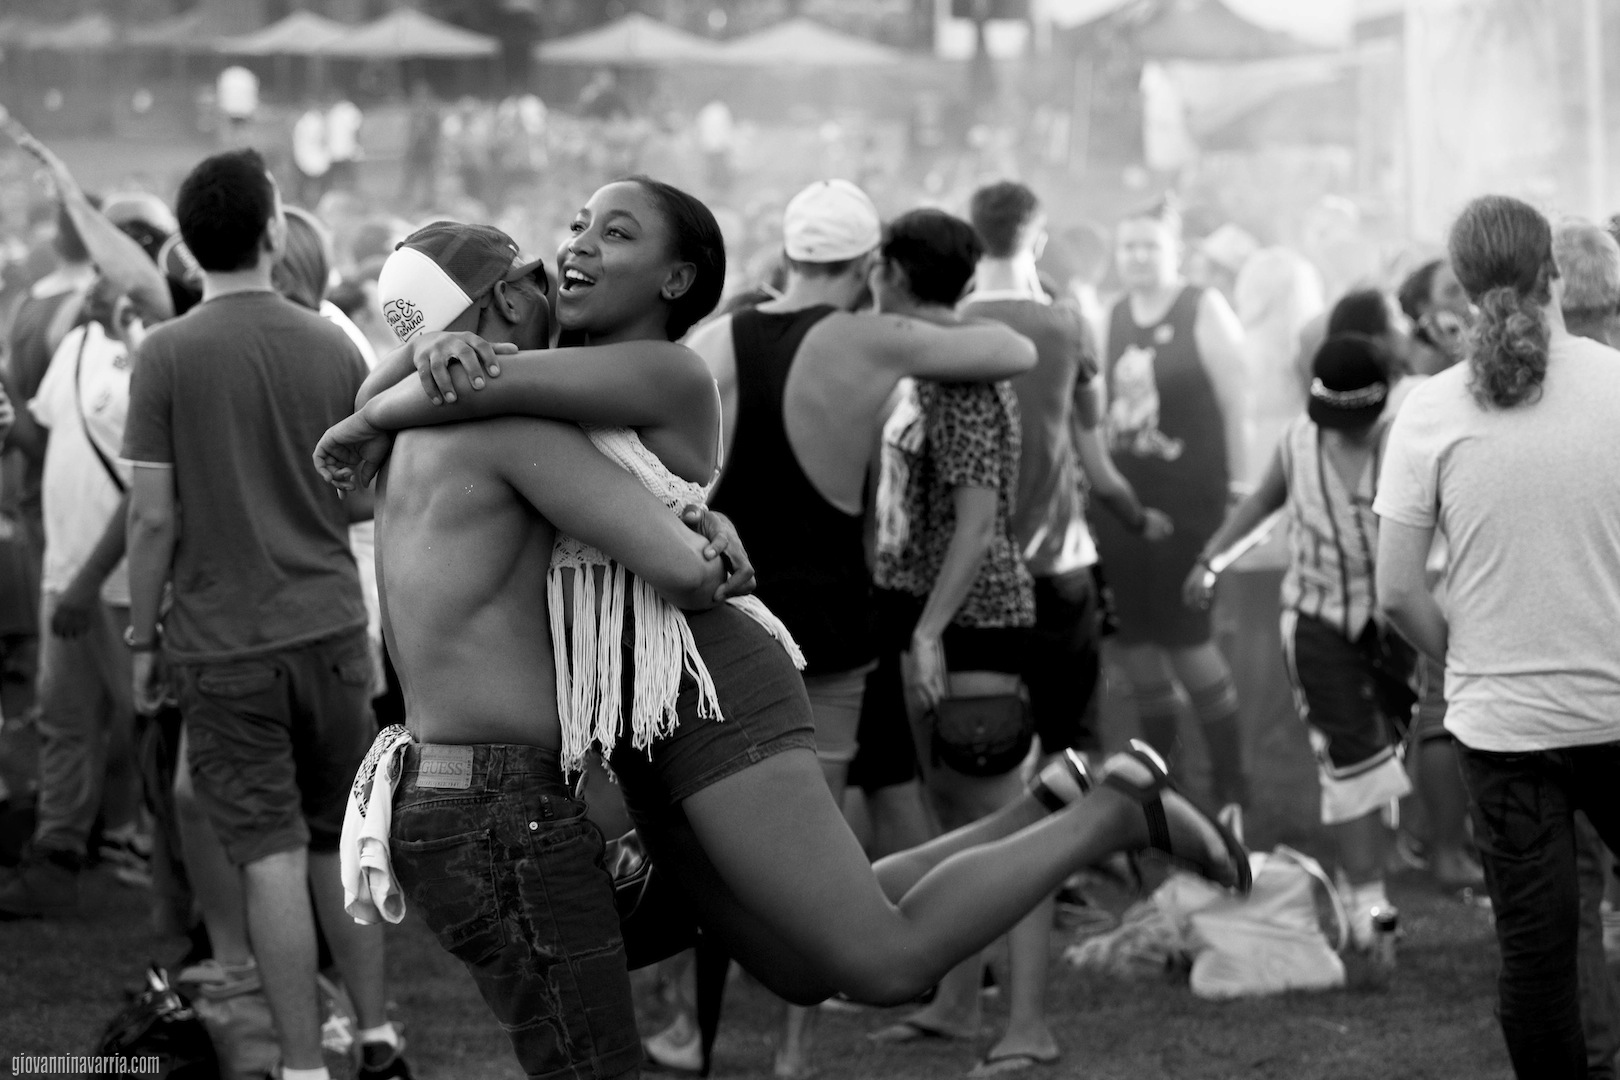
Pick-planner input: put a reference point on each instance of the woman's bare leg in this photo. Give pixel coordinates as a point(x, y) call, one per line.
point(959, 801)
point(818, 919)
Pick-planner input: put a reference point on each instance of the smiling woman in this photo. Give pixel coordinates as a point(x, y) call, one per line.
point(625, 237)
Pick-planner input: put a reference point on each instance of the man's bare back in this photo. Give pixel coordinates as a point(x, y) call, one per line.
point(466, 518)
point(840, 384)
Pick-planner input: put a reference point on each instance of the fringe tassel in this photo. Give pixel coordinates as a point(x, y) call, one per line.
point(755, 609)
point(604, 725)
point(576, 713)
point(573, 755)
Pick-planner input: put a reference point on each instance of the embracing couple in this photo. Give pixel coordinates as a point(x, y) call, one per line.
point(548, 593)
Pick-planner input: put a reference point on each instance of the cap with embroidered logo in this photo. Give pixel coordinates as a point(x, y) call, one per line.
point(439, 270)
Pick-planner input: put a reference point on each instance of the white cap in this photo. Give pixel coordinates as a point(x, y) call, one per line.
point(416, 294)
point(830, 221)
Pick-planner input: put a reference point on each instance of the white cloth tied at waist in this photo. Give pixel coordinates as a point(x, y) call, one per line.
point(371, 894)
point(590, 666)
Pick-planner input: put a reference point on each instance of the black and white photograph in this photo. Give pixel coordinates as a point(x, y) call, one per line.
point(788, 539)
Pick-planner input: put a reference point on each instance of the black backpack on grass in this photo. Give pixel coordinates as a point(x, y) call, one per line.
point(160, 1023)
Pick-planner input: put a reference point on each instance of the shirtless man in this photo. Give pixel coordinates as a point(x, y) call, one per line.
point(489, 842)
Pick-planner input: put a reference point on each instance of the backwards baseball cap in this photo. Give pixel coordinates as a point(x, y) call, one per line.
point(438, 271)
point(1350, 381)
point(830, 221)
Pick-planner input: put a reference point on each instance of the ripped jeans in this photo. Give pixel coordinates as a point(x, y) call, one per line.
point(494, 852)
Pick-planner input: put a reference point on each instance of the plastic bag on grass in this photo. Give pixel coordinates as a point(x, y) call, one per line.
point(1266, 943)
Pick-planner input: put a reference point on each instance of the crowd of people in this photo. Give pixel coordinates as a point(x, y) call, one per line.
point(345, 602)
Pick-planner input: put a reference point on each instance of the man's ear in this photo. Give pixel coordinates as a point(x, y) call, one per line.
point(507, 302)
point(895, 277)
point(274, 240)
point(679, 281)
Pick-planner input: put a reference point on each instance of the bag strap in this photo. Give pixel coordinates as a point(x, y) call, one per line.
point(1314, 869)
point(78, 406)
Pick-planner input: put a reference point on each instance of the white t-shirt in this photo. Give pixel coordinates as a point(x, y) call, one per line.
point(343, 122)
point(79, 497)
point(238, 91)
point(310, 153)
point(1527, 501)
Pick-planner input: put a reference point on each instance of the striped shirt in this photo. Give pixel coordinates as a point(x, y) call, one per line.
point(1332, 533)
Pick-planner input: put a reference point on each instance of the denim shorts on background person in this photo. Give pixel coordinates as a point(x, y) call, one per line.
point(494, 852)
point(274, 742)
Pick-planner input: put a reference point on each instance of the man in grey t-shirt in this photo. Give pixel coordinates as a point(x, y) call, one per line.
point(266, 633)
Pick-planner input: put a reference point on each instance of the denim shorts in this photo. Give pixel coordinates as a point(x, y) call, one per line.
point(274, 741)
point(493, 850)
point(764, 711)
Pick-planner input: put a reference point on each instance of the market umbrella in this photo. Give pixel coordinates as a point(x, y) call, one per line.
point(87, 33)
point(805, 43)
point(1205, 30)
point(14, 29)
point(301, 33)
point(194, 31)
point(635, 40)
point(406, 33)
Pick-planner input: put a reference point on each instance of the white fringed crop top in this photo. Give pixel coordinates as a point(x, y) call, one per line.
point(590, 659)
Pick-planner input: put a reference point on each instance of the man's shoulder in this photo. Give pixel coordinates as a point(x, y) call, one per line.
point(1032, 317)
point(219, 331)
point(868, 335)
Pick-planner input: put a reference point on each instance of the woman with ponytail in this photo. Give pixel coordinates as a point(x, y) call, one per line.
point(1512, 453)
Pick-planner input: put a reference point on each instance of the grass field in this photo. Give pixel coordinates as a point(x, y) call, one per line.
point(61, 981)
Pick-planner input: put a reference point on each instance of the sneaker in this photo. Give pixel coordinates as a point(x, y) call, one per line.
point(44, 885)
point(383, 1061)
point(216, 980)
point(678, 1048)
point(129, 855)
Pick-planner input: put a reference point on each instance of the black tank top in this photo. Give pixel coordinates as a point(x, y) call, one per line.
point(809, 555)
point(1165, 426)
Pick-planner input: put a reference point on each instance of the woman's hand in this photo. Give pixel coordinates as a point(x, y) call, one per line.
point(725, 545)
point(1156, 525)
point(923, 672)
point(351, 452)
point(1199, 588)
point(434, 353)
